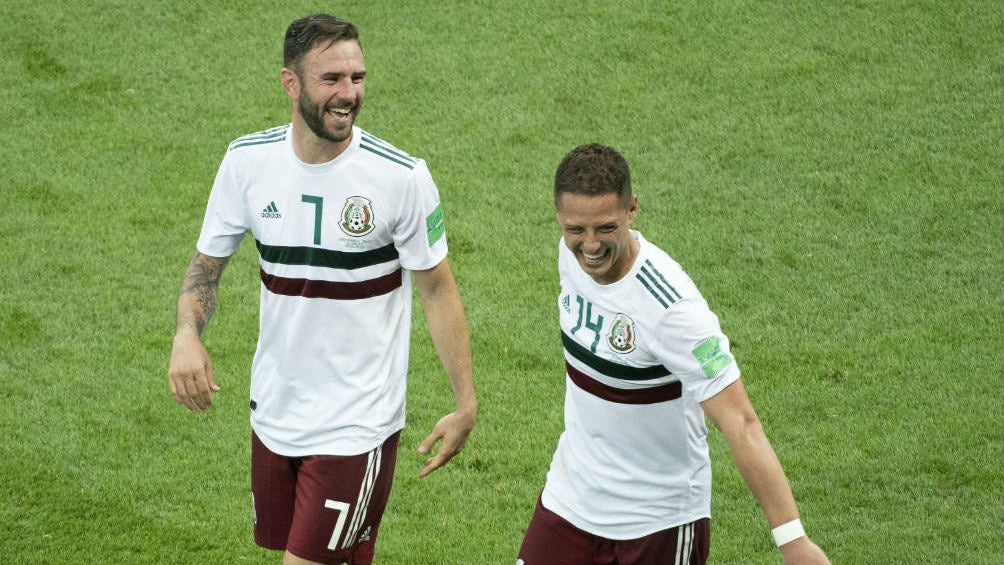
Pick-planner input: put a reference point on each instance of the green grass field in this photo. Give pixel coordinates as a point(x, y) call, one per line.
point(829, 173)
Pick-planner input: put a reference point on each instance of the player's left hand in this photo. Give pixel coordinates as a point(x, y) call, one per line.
point(453, 430)
point(803, 552)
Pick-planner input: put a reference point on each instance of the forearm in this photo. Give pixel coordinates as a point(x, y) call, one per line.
point(448, 329)
point(190, 372)
point(447, 324)
point(732, 413)
point(761, 470)
point(197, 297)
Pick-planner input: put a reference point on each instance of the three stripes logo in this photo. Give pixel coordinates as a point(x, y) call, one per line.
point(271, 211)
point(657, 285)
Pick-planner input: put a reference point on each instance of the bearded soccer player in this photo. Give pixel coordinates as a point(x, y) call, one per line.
point(646, 361)
point(342, 221)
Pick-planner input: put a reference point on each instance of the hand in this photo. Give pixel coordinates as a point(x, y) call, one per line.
point(803, 552)
point(453, 429)
point(191, 374)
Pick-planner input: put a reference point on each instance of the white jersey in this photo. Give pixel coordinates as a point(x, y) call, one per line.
point(640, 355)
point(336, 242)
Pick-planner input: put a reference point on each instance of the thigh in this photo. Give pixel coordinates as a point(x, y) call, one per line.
point(552, 540)
point(340, 501)
point(273, 492)
point(683, 545)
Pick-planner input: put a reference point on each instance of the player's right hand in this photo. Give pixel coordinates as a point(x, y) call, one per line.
point(191, 374)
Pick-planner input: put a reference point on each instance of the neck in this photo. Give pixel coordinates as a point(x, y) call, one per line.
point(632, 255)
point(312, 149)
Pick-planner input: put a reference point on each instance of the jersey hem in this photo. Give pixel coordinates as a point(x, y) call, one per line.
point(285, 450)
point(550, 503)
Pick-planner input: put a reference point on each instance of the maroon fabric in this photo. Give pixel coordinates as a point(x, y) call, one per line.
point(308, 288)
point(552, 540)
point(293, 498)
point(651, 395)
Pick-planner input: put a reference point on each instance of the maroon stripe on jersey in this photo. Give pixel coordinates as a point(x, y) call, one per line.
point(651, 395)
point(308, 288)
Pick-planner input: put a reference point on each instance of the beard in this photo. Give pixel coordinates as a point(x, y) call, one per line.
point(313, 115)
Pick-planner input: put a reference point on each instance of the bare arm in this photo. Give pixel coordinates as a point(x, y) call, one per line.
point(197, 297)
point(733, 414)
point(191, 372)
point(448, 329)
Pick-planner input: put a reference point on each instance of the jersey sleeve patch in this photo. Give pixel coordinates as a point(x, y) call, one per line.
point(710, 356)
point(435, 225)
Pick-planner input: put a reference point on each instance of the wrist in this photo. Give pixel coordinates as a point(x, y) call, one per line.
point(467, 409)
point(185, 333)
point(788, 532)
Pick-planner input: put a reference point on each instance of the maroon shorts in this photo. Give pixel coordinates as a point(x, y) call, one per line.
point(552, 540)
point(325, 508)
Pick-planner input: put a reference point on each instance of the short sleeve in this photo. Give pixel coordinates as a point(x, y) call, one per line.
point(692, 346)
point(225, 222)
point(420, 235)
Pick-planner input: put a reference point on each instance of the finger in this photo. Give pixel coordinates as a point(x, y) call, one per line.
point(179, 390)
point(442, 457)
point(193, 394)
point(447, 451)
point(203, 398)
point(212, 380)
point(432, 464)
point(429, 442)
point(206, 385)
point(187, 392)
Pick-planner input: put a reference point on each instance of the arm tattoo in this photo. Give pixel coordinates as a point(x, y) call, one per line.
point(201, 280)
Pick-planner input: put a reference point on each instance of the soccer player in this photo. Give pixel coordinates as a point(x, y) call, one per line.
point(645, 360)
point(342, 221)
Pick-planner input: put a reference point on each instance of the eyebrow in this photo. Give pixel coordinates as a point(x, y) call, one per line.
point(336, 74)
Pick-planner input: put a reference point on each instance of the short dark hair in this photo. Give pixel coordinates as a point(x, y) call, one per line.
point(305, 33)
point(594, 169)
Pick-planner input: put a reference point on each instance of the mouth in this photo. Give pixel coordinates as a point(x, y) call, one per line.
point(340, 114)
point(595, 259)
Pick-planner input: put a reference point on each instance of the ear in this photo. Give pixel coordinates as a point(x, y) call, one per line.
point(290, 82)
point(633, 210)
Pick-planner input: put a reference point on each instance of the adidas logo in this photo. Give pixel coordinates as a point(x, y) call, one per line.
point(271, 211)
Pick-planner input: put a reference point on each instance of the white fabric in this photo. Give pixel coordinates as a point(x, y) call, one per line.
point(328, 375)
point(623, 471)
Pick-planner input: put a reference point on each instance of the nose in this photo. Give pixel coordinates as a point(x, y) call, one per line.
point(345, 90)
point(591, 242)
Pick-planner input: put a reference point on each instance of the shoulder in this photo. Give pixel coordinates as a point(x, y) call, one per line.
point(670, 297)
point(266, 139)
point(385, 155)
point(663, 281)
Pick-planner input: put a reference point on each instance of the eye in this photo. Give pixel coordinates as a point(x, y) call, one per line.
point(573, 230)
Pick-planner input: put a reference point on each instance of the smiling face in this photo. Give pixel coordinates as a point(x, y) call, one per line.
point(327, 88)
point(596, 230)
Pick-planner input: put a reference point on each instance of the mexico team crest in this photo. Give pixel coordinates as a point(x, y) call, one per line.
point(622, 335)
point(357, 216)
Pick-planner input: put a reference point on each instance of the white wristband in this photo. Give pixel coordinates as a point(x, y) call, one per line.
point(788, 532)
